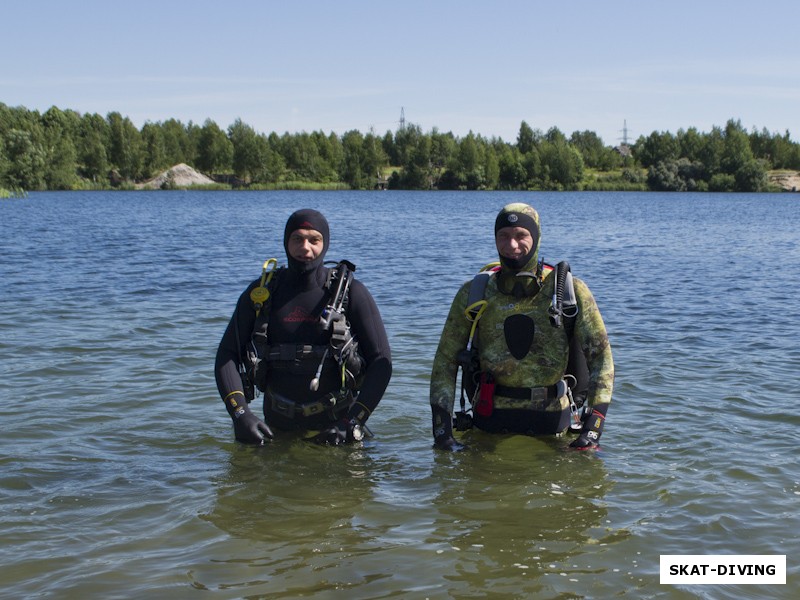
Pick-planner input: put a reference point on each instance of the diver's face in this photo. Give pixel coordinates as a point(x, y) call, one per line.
point(305, 244)
point(513, 242)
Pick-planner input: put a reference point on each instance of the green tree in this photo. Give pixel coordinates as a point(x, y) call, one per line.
point(407, 142)
point(711, 152)
point(491, 168)
point(777, 150)
point(373, 158)
point(596, 155)
point(690, 144)
point(303, 159)
point(26, 161)
point(214, 149)
point(390, 148)
point(247, 151)
point(526, 139)
point(511, 172)
point(655, 148)
point(678, 175)
point(534, 173)
point(59, 130)
point(464, 169)
point(179, 142)
point(663, 177)
point(555, 136)
point(736, 151)
point(722, 182)
point(591, 147)
point(154, 157)
point(352, 169)
point(783, 153)
point(417, 172)
point(3, 163)
point(329, 156)
point(91, 148)
point(443, 147)
point(274, 166)
point(125, 146)
point(751, 176)
point(562, 164)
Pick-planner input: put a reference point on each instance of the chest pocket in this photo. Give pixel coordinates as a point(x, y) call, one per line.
point(518, 330)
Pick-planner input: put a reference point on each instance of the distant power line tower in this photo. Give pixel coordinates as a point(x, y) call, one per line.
point(402, 119)
point(625, 132)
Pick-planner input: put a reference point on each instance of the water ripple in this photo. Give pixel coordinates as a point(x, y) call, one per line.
point(119, 476)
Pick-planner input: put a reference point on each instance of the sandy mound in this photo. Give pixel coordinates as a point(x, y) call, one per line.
point(181, 175)
point(788, 180)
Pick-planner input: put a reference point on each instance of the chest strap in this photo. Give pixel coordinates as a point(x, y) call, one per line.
point(292, 352)
point(524, 393)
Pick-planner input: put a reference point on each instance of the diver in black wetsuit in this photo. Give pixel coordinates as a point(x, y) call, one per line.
point(308, 381)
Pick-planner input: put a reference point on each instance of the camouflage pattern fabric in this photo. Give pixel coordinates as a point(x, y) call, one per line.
point(545, 362)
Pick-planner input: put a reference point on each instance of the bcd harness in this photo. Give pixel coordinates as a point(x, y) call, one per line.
point(477, 386)
point(342, 347)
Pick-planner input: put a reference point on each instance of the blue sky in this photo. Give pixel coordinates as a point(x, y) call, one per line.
point(338, 65)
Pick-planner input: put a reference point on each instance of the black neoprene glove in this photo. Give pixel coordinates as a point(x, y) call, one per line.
point(343, 431)
point(443, 430)
point(247, 427)
point(593, 422)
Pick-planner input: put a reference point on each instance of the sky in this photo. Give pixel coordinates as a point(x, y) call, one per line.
point(611, 67)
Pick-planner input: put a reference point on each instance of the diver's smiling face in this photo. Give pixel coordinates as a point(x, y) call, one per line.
point(513, 242)
point(305, 244)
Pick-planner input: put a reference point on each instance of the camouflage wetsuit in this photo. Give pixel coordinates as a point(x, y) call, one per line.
point(522, 350)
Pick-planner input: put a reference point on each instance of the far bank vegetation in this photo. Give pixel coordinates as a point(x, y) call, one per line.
point(65, 150)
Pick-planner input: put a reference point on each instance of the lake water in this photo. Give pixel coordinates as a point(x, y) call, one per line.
point(120, 478)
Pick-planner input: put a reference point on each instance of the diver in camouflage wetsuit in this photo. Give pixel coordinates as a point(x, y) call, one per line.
point(522, 356)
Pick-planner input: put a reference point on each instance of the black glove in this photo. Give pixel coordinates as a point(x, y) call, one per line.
point(593, 421)
point(247, 427)
point(342, 431)
point(443, 431)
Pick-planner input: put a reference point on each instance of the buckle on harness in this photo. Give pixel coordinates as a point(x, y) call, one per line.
point(292, 410)
point(314, 408)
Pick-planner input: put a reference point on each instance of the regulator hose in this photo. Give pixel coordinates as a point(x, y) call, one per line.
point(556, 310)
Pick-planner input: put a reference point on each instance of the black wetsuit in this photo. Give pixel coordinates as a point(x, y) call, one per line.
point(294, 318)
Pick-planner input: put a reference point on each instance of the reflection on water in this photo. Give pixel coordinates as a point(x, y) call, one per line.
point(498, 516)
point(513, 512)
point(119, 476)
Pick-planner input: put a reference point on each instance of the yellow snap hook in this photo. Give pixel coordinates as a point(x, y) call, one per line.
point(260, 294)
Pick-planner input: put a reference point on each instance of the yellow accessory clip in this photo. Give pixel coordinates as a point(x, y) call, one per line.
point(260, 294)
point(473, 313)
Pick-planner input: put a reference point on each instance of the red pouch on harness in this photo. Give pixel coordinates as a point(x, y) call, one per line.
point(485, 403)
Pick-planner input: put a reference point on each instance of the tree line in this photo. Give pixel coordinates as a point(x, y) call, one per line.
point(63, 149)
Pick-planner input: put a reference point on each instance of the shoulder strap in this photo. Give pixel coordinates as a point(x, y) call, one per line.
point(261, 297)
point(477, 291)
